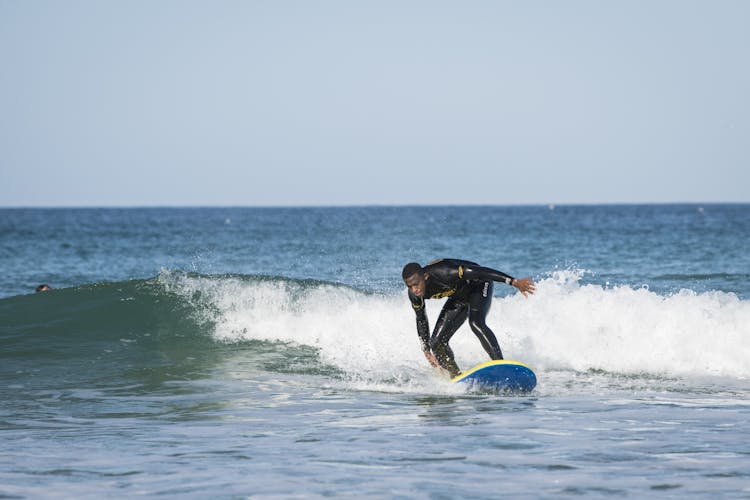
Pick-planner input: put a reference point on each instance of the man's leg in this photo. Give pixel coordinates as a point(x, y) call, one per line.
point(451, 318)
point(480, 301)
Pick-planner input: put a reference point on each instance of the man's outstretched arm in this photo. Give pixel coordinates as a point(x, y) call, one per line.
point(524, 285)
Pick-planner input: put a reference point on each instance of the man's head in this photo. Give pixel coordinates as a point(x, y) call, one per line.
point(414, 278)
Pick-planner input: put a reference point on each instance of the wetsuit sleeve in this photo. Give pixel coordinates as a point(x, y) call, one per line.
point(473, 272)
point(423, 326)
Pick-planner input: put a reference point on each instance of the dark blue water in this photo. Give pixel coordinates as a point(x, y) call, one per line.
point(666, 247)
point(229, 352)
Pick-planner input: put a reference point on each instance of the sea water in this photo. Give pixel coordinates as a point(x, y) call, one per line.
point(272, 353)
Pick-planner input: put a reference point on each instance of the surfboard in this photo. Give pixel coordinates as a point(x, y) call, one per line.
point(501, 375)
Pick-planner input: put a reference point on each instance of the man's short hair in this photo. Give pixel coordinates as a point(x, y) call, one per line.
point(410, 269)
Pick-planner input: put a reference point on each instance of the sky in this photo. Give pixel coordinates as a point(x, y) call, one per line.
point(297, 103)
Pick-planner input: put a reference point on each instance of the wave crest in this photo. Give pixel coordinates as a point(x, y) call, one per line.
point(566, 325)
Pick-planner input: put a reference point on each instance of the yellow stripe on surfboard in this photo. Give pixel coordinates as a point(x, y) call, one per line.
point(489, 363)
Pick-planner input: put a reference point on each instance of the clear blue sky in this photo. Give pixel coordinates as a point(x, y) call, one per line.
point(134, 103)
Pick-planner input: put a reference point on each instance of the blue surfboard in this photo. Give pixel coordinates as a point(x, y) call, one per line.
point(500, 375)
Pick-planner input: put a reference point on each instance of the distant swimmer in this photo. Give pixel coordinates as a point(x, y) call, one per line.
point(43, 288)
point(468, 287)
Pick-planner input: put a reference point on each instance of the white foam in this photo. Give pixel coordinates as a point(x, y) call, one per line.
point(630, 330)
point(563, 326)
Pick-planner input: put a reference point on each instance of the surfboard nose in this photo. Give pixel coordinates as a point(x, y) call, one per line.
point(500, 375)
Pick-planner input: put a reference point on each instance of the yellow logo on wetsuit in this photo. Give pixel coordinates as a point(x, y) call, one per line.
point(438, 295)
point(441, 295)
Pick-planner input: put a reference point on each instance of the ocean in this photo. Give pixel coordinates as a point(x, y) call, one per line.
point(272, 353)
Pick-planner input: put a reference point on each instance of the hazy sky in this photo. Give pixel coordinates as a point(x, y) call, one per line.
point(384, 102)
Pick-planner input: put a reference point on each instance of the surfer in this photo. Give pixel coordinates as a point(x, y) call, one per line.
point(468, 287)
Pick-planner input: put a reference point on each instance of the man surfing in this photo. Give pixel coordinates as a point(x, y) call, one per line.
point(468, 287)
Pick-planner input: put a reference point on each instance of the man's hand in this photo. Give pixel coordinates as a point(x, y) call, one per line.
point(432, 359)
point(525, 285)
point(434, 362)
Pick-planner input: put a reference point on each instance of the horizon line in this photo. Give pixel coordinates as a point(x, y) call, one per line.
point(549, 205)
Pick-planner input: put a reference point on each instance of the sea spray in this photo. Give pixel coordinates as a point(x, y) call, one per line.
point(631, 330)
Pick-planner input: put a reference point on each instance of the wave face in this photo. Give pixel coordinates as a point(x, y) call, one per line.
point(181, 326)
point(101, 335)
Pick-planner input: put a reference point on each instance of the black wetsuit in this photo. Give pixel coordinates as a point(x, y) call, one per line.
point(468, 287)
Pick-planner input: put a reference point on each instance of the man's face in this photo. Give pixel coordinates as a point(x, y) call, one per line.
point(416, 283)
